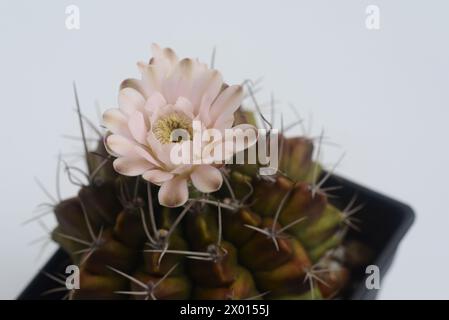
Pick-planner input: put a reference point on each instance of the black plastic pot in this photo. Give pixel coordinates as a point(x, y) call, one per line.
point(383, 224)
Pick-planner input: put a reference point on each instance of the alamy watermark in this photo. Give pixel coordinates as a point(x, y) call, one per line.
point(72, 282)
point(72, 20)
point(372, 20)
point(372, 281)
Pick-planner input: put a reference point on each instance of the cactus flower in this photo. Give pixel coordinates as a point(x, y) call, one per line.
point(171, 95)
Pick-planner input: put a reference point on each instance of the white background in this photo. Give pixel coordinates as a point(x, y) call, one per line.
point(382, 95)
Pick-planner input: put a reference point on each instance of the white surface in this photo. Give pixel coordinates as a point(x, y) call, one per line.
point(383, 95)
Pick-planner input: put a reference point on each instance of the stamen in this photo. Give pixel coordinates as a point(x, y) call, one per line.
point(166, 125)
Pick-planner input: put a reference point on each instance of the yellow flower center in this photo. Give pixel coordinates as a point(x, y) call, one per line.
point(167, 129)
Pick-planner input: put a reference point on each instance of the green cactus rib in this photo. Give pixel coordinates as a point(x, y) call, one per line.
point(257, 238)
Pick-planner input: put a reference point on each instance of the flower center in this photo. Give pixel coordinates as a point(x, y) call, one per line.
point(174, 127)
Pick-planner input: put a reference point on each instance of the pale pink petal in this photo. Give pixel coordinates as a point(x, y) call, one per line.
point(137, 85)
point(137, 127)
point(130, 100)
point(155, 102)
point(204, 114)
point(153, 143)
point(174, 192)
point(206, 178)
point(184, 105)
point(165, 155)
point(162, 111)
point(116, 122)
point(157, 176)
point(227, 102)
point(156, 50)
point(130, 166)
point(179, 81)
point(206, 86)
point(170, 55)
point(151, 77)
point(172, 155)
point(165, 54)
point(120, 145)
point(145, 154)
point(163, 62)
point(162, 151)
point(182, 169)
point(224, 122)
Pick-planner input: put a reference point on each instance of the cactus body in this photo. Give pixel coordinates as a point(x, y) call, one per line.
point(256, 238)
